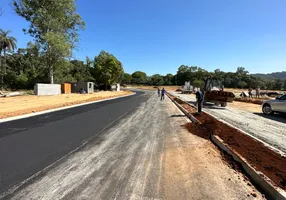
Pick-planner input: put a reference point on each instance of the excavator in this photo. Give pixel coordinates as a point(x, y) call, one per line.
point(213, 91)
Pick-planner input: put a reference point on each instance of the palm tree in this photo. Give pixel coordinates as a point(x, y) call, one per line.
point(7, 43)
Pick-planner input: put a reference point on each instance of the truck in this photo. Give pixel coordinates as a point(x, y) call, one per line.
point(213, 91)
point(187, 88)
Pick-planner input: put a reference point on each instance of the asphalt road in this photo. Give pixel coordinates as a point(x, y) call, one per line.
point(146, 154)
point(29, 145)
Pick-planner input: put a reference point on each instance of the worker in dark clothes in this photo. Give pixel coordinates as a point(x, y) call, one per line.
point(158, 92)
point(250, 92)
point(163, 94)
point(199, 97)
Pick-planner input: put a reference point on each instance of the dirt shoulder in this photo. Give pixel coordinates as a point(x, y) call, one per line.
point(254, 108)
point(20, 105)
point(195, 169)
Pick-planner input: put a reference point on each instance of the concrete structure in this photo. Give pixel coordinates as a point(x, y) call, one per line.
point(42, 89)
point(77, 87)
point(115, 87)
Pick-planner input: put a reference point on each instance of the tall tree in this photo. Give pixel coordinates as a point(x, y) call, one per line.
point(157, 80)
point(107, 70)
point(139, 77)
point(7, 43)
point(54, 25)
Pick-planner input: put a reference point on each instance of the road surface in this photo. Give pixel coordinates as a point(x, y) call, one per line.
point(146, 154)
point(270, 129)
point(28, 145)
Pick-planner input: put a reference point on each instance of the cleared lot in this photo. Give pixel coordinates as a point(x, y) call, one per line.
point(146, 155)
point(271, 130)
point(13, 106)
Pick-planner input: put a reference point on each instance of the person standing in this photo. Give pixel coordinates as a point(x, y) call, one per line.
point(258, 92)
point(199, 97)
point(163, 94)
point(158, 92)
point(250, 92)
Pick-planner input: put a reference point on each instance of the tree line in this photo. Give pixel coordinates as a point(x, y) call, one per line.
point(196, 75)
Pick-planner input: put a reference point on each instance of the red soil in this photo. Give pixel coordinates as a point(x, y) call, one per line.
point(263, 159)
point(248, 100)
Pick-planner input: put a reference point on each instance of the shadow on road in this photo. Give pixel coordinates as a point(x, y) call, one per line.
point(178, 116)
point(277, 117)
point(192, 102)
point(214, 107)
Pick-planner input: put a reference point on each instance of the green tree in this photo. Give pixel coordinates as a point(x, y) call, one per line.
point(197, 83)
point(7, 43)
point(270, 84)
point(54, 25)
point(157, 80)
point(107, 69)
point(241, 84)
point(278, 84)
point(182, 74)
point(241, 71)
point(139, 77)
point(80, 71)
point(168, 79)
point(127, 78)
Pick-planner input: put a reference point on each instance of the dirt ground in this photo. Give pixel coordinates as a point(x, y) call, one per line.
point(257, 154)
point(14, 106)
point(255, 108)
point(236, 90)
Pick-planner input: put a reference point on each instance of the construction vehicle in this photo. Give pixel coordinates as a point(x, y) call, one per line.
point(213, 91)
point(187, 88)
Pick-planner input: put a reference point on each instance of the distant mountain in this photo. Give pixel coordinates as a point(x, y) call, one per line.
point(274, 75)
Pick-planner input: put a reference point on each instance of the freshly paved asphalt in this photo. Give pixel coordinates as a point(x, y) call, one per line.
point(29, 145)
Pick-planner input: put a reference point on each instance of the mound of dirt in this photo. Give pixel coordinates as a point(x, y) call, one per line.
point(263, 159)
point(248, 100)
point(256, 153)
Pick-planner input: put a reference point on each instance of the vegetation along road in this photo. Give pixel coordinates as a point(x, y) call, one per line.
point(146, 154)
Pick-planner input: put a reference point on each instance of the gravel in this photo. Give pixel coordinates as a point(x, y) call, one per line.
point(270, 130)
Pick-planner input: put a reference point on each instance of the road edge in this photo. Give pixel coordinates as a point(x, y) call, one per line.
point(266, 186)
point(58, 109)
point(191, 117)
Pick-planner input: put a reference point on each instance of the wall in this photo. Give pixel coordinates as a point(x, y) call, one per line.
point(42, 89)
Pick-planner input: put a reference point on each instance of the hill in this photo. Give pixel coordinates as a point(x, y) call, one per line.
point(274, 75)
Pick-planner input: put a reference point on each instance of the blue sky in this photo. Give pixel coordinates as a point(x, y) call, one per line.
point(157, 36)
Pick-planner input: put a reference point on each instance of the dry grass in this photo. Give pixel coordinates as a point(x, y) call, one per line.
point(14, 106)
